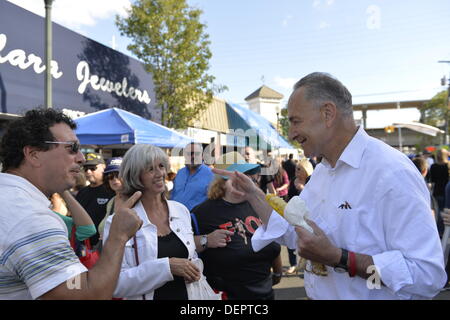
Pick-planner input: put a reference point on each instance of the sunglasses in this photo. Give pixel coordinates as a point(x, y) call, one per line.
point(90, 167)
point(73, 145)
point(112, 175)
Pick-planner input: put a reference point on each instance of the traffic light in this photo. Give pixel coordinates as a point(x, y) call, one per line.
point(389, 129)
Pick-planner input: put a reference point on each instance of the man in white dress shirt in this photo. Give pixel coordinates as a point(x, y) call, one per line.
point(369, 206)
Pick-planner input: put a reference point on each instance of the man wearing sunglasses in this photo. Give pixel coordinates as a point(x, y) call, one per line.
point(40, 156)
point(94, 197)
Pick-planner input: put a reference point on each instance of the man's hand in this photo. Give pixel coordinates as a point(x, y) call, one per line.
point(126, 222)
point(316, 246)
point(243, 186)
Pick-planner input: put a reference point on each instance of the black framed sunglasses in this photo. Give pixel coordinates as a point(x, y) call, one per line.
point(74, 145)
point(91, 167)
point(112, 175)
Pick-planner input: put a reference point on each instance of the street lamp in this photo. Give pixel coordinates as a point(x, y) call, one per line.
point(448, 105)
point(277, 110)
point(48, 53)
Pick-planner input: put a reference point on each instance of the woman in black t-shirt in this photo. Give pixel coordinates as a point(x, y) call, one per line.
point(235, 268)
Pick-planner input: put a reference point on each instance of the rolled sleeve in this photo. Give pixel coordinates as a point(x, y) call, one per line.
point(393, 271)
point(143, 279)
point(411, 265)
point(278, 230)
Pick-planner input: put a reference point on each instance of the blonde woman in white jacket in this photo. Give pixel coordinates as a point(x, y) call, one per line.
point(159, 261)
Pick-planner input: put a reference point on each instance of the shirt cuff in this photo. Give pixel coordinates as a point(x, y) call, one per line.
point(273, 231)
point(393, 271)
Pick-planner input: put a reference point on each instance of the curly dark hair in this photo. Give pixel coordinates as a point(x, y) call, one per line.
point(31, 130)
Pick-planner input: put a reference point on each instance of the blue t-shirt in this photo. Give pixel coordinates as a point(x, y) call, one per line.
point(191, 190)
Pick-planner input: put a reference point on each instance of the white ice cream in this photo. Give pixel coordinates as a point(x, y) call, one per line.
point(296, 212)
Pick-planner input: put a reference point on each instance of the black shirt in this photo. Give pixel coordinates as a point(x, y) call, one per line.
point(94, 200)
point(439, 176)
point(172, 247)
point(236, 268)
point(289, 167)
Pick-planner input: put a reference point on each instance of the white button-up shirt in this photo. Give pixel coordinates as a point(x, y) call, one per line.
point(152, 272)
point(373, 202)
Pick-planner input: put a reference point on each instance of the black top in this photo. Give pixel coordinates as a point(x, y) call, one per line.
point(236, 268)
point(289, 167)
point(264, 181)
point(94, 201)
point(439, 176)
point(172, 247)
point(292, 190)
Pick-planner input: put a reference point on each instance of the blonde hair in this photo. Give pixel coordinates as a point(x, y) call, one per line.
point(442, 156)
point(306, 164)
point(216, 189)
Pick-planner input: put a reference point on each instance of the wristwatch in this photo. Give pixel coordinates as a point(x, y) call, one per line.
point(204, 241)
point(342, 267)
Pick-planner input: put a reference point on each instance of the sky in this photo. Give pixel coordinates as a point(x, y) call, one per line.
point(381, 50)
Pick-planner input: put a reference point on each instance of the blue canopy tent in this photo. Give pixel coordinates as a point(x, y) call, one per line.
point(122, 128)
point(245, 119)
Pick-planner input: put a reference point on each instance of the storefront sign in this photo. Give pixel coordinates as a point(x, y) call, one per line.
point(86, 75)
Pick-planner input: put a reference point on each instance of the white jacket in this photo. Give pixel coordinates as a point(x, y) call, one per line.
point(152, 273)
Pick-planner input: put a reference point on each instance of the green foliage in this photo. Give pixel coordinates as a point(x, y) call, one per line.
point(435, 111)
point(284, 127)
point(169, 39)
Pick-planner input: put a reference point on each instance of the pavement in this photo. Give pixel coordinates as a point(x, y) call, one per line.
point(291, 287)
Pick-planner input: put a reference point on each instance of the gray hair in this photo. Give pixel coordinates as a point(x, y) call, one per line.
point(323, 87)
point(140, 158)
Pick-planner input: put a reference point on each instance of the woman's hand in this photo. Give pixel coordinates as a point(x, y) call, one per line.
point(184, 268)
point(219, 238)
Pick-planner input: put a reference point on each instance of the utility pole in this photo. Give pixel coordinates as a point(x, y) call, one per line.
point(446, 139)
point(48, 53)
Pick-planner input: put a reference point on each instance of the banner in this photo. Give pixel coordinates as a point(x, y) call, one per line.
point(86, 75)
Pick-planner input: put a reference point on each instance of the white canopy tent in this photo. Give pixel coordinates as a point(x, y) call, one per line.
point(419, 127)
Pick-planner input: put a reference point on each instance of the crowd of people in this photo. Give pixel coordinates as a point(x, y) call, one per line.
point(158, 232)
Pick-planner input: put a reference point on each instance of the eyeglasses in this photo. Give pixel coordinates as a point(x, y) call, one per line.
point(112, 175)
point(74, 145)
point(90, 167)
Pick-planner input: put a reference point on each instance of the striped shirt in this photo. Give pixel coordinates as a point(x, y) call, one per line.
point(35, 254)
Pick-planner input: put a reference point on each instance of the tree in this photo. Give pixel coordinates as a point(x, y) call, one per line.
point(169, 39)
point(284, 126)
point(435, 113)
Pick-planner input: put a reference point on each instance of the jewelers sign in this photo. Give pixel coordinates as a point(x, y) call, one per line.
point(86, 75)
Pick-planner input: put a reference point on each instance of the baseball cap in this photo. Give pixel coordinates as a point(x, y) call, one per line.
point(113, 164)
point(93, 158)
point(234, 161)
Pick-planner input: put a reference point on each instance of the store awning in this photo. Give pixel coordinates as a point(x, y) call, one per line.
point(116, 126)
point(245, 119)
point(419, 127)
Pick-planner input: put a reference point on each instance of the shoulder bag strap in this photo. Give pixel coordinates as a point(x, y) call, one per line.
point(72, 237)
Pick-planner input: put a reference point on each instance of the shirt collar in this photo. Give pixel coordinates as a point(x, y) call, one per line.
point(22, 183)
point(199, 168)
point(139, 208)
point(354, 151)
